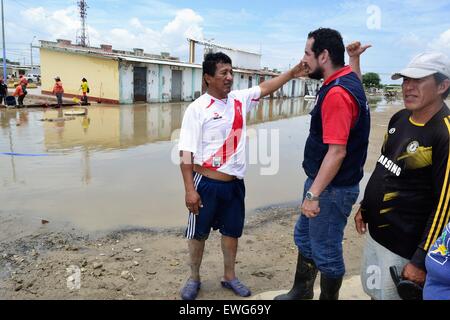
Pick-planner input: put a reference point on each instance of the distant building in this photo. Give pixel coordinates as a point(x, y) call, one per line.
point(16, 69)
point(241, 59)
point(116, 76)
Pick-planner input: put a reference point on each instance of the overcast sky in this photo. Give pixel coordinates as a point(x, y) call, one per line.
point(278, 29)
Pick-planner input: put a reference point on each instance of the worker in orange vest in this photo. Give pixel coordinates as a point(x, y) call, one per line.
point(20, 94)
point(58, 90)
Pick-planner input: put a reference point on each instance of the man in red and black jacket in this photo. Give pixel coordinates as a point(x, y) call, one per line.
point(335, 153)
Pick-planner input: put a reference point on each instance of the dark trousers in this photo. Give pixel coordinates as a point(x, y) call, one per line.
point(84, 98)
point(59, 99)
point(21, 100)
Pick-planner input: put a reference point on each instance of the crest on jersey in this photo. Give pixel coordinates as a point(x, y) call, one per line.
point(217, 162)
point(412, 147)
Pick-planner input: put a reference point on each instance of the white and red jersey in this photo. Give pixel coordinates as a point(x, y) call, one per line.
point(214, 131)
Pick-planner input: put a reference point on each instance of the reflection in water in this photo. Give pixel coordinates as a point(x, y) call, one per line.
point(112, 167)
point(106, 128)
point(374, 101)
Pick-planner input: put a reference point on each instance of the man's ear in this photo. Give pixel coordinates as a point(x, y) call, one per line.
point(324, 57)
point(206, 79)
point(443, 86)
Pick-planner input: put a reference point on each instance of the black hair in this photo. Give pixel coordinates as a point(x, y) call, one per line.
point(439, 77)
point(331, 40)
point(211, 61)
point(84, 80)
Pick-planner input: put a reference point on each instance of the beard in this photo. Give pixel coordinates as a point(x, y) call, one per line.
point(317, 74)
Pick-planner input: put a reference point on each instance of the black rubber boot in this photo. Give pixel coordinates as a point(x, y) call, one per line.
point(329, 288)
point(305, 276)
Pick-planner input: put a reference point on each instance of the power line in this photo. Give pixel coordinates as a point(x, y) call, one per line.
point(12, 42)
point(21, 4)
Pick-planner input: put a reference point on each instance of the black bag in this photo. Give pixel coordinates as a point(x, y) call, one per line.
point(10, 101)
point(88, 90)
point(407, 290)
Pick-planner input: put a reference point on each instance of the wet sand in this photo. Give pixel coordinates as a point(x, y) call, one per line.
point(34, 262)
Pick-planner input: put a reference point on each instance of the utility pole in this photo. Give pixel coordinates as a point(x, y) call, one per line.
point(31, 54)
point(4, 46)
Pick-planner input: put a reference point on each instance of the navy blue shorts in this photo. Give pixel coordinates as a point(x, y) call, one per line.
point(223, 208)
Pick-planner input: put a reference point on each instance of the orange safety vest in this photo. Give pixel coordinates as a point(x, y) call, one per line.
point(58, 88)
point(19, 91)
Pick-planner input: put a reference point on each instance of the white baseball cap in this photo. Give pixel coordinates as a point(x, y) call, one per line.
point(424, 65)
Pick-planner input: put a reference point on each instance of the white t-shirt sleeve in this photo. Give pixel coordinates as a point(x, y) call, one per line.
point(249, 97)
point(191, 129)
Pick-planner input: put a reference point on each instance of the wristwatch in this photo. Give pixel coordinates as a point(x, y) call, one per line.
point(311, 197)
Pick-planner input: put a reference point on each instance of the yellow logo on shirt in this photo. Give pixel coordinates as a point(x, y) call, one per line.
point(442, 250)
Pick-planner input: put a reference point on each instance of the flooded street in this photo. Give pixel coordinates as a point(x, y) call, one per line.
point(113, 168)
point(105, 181)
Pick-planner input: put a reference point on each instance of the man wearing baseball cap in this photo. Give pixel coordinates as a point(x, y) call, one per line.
point(407, 199)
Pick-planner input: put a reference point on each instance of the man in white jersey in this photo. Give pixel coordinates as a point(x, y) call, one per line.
point(213, 164)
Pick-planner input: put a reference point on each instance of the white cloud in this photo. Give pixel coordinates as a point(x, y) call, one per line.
point(136, 23)
point(187, 24)
point(171, 38)
point(65, 23)
point(62, 23)
point(411, 40)
point(442, 43)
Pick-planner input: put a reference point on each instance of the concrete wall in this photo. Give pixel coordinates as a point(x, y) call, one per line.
point(153, 83)
point(197, 77)
point(159, 82)
point(236, 81)
point(165, 83)
point(186, 91)
point(241, 81)
point(126, 82)
point(102, 74)
point(243, 59)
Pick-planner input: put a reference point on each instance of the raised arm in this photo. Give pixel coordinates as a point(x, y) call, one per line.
point(270, 86)
point(354, 51)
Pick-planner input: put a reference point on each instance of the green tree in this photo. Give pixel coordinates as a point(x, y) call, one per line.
point(7, 61)
point(371, 80)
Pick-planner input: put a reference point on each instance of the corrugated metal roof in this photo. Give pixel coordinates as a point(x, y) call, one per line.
point(260, 72)
point(223, 47)
point(116, 56)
